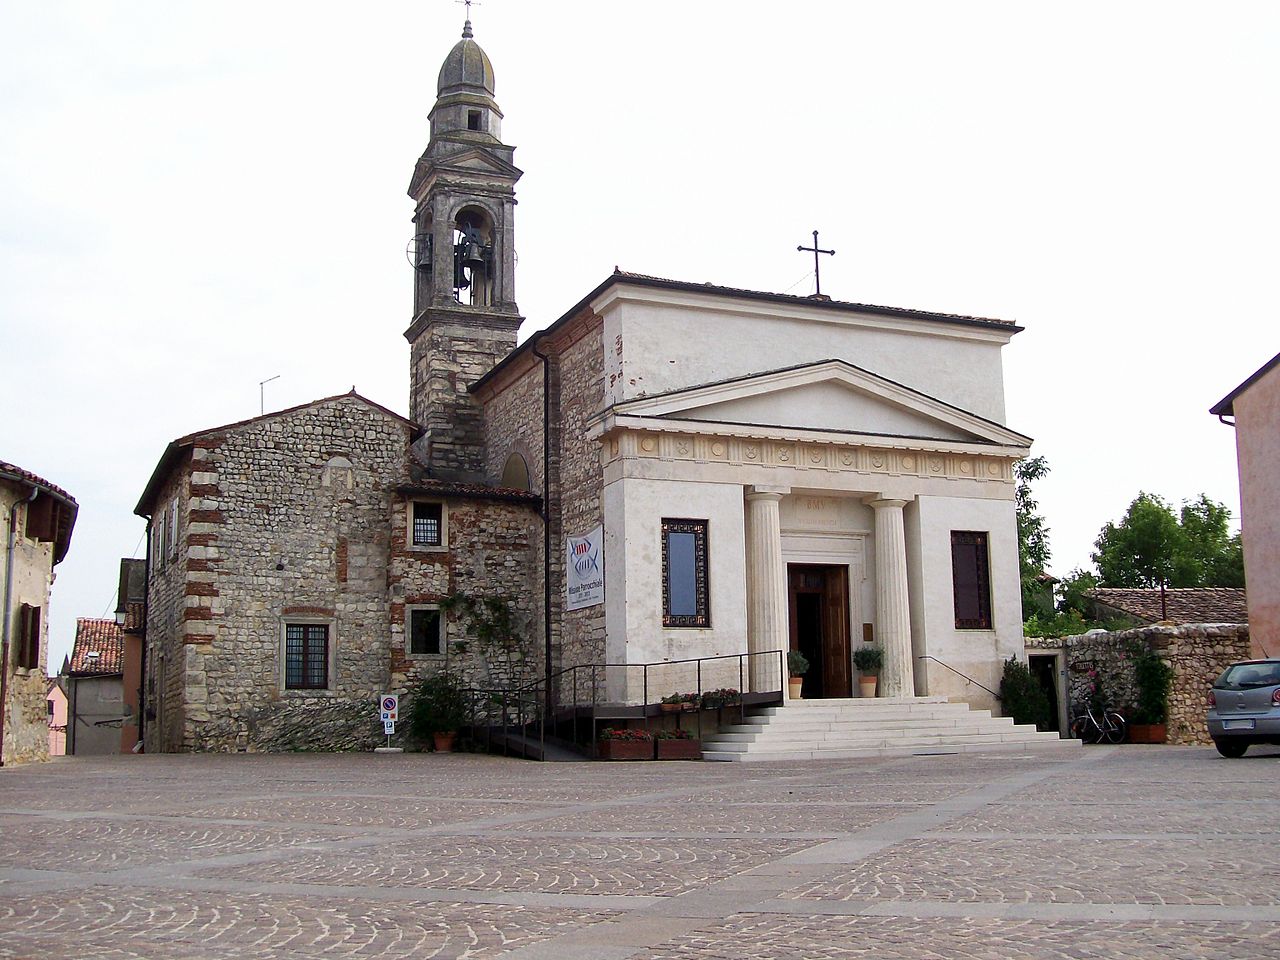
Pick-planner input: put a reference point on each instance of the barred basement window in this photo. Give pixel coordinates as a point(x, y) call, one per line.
point(424, 632)
point(684, 574)
point(306, 656)
point(971, 579)
point(428, 524)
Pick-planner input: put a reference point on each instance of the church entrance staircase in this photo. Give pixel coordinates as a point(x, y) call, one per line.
point(885, 727)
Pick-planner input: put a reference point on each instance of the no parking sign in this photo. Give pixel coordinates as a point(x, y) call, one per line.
point(390, 707)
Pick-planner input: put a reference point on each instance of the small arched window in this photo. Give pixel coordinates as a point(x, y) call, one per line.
point(515, 475)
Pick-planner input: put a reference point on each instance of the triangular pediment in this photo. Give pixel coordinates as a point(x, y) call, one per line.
point(831, 395)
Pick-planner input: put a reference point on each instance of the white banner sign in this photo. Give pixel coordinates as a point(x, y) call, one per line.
point(584, 569)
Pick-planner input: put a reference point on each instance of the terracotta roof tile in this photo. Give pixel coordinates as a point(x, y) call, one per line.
point(1182, 605)
point(99, 647)
point(30, 477)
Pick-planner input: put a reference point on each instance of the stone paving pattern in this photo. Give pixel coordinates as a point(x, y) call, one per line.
point(1115, 852)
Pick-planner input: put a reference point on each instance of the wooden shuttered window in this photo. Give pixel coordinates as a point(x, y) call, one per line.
point(42, 518)
point(971, 579)
point(27, 654)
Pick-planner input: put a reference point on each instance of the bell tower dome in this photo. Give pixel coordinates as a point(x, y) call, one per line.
point(463, 255)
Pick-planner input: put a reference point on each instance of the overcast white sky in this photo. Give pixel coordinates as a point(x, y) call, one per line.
point(195, 197)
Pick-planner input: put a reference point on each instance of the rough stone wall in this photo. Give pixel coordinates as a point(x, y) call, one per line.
point(581, 485)
point(167, 625)
point(493, 553)
point(287, 521)
point(451, 351)
point(26, 725)
point(1196, 652)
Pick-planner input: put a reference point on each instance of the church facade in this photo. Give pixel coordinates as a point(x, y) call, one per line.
point(669, 472)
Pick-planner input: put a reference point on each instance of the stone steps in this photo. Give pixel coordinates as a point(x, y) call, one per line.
point(851, 729)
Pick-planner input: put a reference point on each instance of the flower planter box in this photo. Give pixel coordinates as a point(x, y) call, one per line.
point(1148, 733)
point(679, 749)
point(624, 750)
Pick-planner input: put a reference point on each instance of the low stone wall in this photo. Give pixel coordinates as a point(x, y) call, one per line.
point(1196, 652)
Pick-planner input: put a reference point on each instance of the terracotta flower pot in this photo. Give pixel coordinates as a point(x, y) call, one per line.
point(444, 742)
point(1148, 733)
point(867, 684)
point(794, 686)
point(679, 749)
point(624, 750)
point(671, 707)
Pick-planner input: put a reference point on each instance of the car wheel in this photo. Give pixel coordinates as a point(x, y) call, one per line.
point(1231, 748)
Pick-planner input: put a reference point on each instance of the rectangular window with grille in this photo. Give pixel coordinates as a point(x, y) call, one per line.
point(425, 632)
point(428, 524)
point(306, 656)
point(971, 579)
point(684, 574)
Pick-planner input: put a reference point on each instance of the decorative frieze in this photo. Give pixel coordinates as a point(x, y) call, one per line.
point(806, 455)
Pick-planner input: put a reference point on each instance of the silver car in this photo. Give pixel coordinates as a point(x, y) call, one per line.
point(1244, 706)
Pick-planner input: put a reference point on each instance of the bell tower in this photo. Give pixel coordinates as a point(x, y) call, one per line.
point(463, 256)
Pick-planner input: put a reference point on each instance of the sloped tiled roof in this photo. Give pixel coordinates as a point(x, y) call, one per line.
point(66, 514)
point(1182, 605)
point(99, 648)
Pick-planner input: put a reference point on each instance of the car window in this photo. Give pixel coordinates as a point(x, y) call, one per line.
point(1248, 676)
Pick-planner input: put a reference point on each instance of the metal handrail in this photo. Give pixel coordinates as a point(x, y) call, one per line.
point(963, 675)
point(525, 705)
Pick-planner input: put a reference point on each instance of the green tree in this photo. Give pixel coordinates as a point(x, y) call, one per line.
point(1151, 545)
point(1139, 550)
point(1033, 537)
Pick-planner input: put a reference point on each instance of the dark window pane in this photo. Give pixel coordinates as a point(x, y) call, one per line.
point(971, 580)
point(682, 575)
point(293, 656)
point(424, 632)
point(426, 524)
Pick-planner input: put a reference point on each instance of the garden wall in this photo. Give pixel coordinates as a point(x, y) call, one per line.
point(1197, 653)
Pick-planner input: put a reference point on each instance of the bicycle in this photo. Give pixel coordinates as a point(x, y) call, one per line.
point(1099, 726)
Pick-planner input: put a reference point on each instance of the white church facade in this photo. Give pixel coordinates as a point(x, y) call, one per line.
point(744, 473)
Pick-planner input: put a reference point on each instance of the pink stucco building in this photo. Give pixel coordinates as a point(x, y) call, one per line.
point(1253, 408)
point(57, 701)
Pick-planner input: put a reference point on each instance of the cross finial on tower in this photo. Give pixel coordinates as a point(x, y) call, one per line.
point(815, 249)
point(466, 27)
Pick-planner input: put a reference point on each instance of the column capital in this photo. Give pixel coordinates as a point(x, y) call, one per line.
point(885, 503)
point(766, 493)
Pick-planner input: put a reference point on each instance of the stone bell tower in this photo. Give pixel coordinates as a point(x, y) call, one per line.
point(463, 255)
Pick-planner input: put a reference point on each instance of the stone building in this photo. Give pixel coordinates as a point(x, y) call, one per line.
point(670, 471)
point(1254, 409)
point(39, 518)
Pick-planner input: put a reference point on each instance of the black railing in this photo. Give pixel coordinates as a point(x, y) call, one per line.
point(962, 675)
point(586, 695)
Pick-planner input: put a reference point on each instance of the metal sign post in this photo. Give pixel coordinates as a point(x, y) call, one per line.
point(389, 710)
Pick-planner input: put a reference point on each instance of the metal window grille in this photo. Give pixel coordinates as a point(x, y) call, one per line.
point(306, 656)
point(426, 524)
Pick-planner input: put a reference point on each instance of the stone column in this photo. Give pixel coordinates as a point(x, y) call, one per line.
point(893, 611)
point(766, 587)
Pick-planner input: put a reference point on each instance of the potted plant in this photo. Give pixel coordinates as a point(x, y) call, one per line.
point(797, 667)
point(438, 709)
point(1153, 678)
point(679, 703)
point(724, 697)
point(678, 744)
point(623, 743)
point(868, 660)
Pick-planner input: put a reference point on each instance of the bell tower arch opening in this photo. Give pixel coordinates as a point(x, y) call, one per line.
point(473, 257)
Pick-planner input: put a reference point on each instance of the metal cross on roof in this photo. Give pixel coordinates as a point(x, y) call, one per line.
point(815, 249)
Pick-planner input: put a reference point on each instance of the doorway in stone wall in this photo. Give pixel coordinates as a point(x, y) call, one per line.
point(819, 611)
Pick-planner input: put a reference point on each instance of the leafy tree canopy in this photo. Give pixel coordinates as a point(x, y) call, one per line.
point(1151, 545)
point(1033, 535)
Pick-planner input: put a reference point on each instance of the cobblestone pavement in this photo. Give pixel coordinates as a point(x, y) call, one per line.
point(1109, 852)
